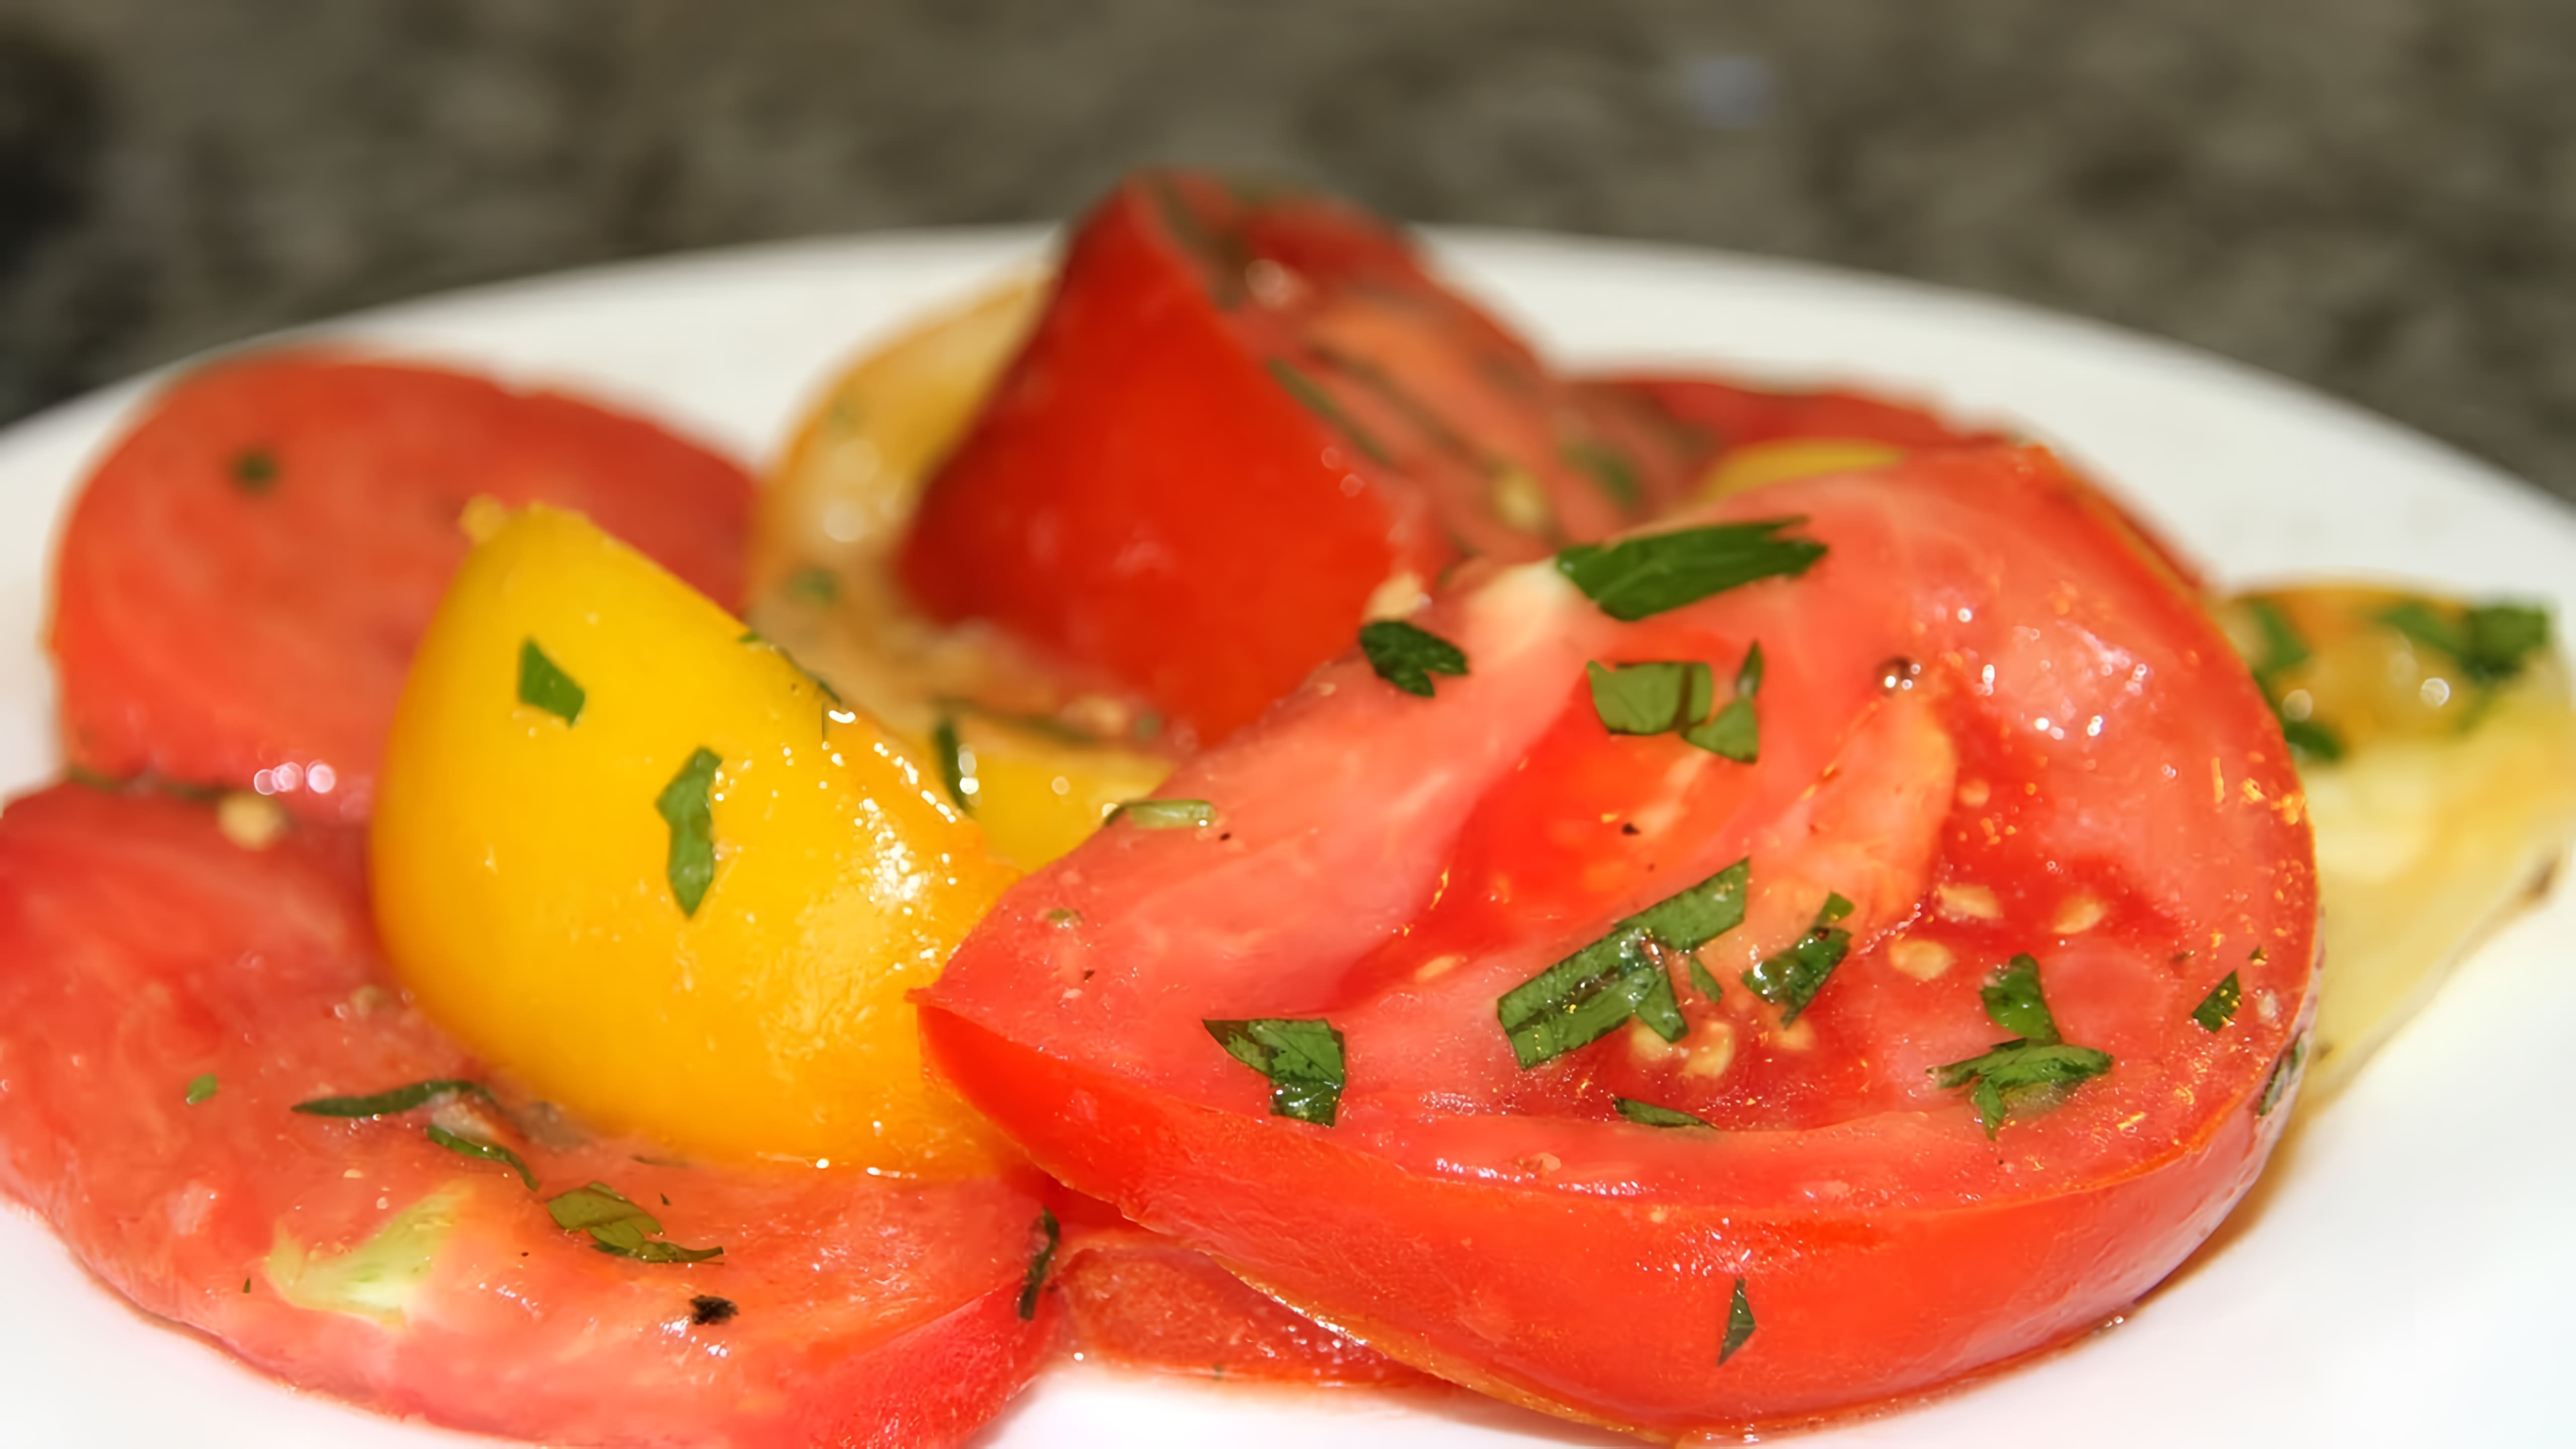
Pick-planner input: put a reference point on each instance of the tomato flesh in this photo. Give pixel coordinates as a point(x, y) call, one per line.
point(243, 579)
point(148, 953)
point(1239, 419)
point(1987, 722)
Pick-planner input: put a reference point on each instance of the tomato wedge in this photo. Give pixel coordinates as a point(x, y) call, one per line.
point(1241, 418)
point(243, 579)
point(170, 996)
point(1668, 1083)
point(1733, 415)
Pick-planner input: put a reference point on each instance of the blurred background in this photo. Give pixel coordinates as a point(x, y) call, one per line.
point(2376, 196)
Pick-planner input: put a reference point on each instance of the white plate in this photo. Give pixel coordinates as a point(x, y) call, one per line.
point(2407, 1277)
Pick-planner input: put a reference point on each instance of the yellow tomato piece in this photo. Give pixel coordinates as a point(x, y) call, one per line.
point(2439, 802)
point(1782, 459)
point(682, 892)
point(1042, 760)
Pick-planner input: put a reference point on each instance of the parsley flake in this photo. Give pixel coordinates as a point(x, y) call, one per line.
point(1162, 814)
point(543, 683)
point(618, 1226)
point(1647, 1114)
point(2037, 1060)
point(1735, 731)
point(1646, 699)
point(488, 1151)
point(1311, 395)
point(2285, 1071)
point(1046, 1228)
point(200, 1087)
point(2490, 642)
point(1609, 468)
point(254, 470)
point(1790, 979)
point(1586, 996)
point(683, 806)
point(1302, 1059)
point(388, 1103)
point(1406, 656)
point(2218, 1008)
point(815, 585)
point(1637, 578)
point(956, 767)
point(1739, 1323)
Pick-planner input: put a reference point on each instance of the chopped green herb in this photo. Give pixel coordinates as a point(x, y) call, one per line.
point(1748, 675)
point(1162, 814)
point(2310, 738)
point(200, 1087)
point(2489, 641)
point(1704, 982)
point(1302, 1059)
point(1609, 468)
point(1586, 996)
point(683, 805)
point(1311, 394)
point(954, 762)
point(2283, 649)
point(2218, 1008)
point(388, 1103)
point(1046, 1226)
point(544, 684)
point(245, 1285)
point(1733, 732)
point(254, 470)
point(814, 586)
point(1223, 253)
point(1407, 656)
point(618, 1226)
point(1647, 1114)
point(1637, 578)
point(2014, 1002)
point(488, 1151)
point(2034, 1061)
point(2285, 1070)
point(1640, 699)
point(1739, 1324)
point(1790, 979)
point(83, 775)
point(1063, 916)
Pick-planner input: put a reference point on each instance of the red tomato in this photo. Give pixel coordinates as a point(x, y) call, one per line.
point(1987, 725)
point(1729, 415)
point(147, 954)
point(242, 581)
point(1239, 418)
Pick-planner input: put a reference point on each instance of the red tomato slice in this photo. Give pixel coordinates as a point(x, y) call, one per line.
point(243, 579)
point(1729, 415)
point(1987, 725)
point(1240, 417)
point(145, 953)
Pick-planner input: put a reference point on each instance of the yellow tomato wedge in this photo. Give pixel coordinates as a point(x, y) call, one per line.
point(2438, 752)
point(1035, 760)
point(1778, 461)
point(642, 862)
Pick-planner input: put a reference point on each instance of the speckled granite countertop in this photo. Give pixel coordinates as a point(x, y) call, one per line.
point(2377, 196)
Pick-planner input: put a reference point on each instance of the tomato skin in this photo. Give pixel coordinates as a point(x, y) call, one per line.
point(143, 949)
point(1503, 1227)
point(1146, 497)
point(243, 578)
point(1731, 415)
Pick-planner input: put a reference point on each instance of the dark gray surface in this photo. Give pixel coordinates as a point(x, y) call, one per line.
point(2378, 196)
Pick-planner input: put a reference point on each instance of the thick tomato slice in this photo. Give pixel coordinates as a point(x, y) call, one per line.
point(1988, 728)
point(1726, 415)
point(244, 577)
point(1240, 420)
point(151, 961)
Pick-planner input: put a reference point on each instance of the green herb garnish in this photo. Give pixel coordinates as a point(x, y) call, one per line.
point(1735, 731)
point(488, 1151)
point(1609, 468)
point(388, 1103)
point(1586, 996)
point(254, 470)
point(618, 1226)
point(2035, 1060)
point(2285, 1070)
point(2490, 642)
point(544, 684)
point(1647, 699)
point(1739, 1324)
point(952, 763)
point(683, 805)
point(1407, 656)
point(1302, 1059)
point(2283, 649)
point(815, 585)
point(1704, 982)
point(1046, 1226)
point(1637, 578)
point(1790, 979)
point(1647, 1114)
point(1162, 814)
point(1312, 396)
point(200, 1087)
point(2218, 1008)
